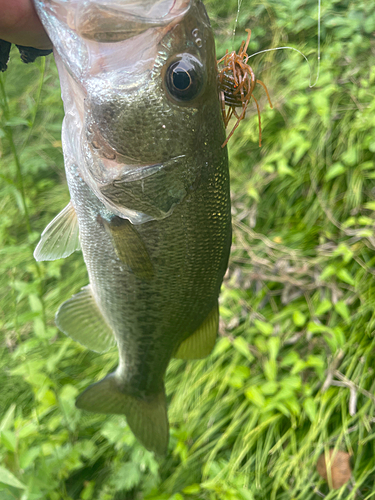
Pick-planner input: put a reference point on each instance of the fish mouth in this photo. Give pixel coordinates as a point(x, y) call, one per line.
point(98, 36)
point(122, 36)
point(114, 21)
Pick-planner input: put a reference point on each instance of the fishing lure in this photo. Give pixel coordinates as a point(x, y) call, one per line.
point(236, 85)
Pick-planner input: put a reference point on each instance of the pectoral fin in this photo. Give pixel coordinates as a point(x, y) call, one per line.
point(81, 319)
point(129, 247)
point(60, 238)
point(147, 417)
point(202, 341)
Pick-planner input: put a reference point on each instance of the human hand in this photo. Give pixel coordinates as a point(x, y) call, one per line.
point(20, 24)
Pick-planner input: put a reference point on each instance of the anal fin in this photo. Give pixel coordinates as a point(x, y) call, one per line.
point(202, 341)
point(147, 417)
point(80, 318)
point(60, 238)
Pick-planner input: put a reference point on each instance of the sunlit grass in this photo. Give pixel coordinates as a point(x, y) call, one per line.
point(292, 374)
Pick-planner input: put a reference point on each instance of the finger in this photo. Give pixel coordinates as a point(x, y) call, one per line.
point(20, 24)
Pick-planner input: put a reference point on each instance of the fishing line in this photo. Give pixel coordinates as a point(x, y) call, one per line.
point(239, 3)
point(311, 85)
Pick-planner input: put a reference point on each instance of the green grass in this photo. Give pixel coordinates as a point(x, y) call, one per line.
point(296, 346)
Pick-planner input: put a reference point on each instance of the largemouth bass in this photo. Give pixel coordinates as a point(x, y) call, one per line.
point(149, 186)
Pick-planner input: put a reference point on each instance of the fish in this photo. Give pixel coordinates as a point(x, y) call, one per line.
point(150, 197)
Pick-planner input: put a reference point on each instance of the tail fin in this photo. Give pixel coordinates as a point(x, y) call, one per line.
point(147, 417)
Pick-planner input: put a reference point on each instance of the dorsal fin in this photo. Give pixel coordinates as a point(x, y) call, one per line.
point(60, 238)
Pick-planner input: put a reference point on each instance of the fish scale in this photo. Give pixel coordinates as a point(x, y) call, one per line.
point(189, 280)
point(149, 186)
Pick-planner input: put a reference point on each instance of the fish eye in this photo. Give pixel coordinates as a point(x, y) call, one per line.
point(184, 78)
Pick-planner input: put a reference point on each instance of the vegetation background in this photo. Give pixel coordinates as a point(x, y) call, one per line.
point(292, 374)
